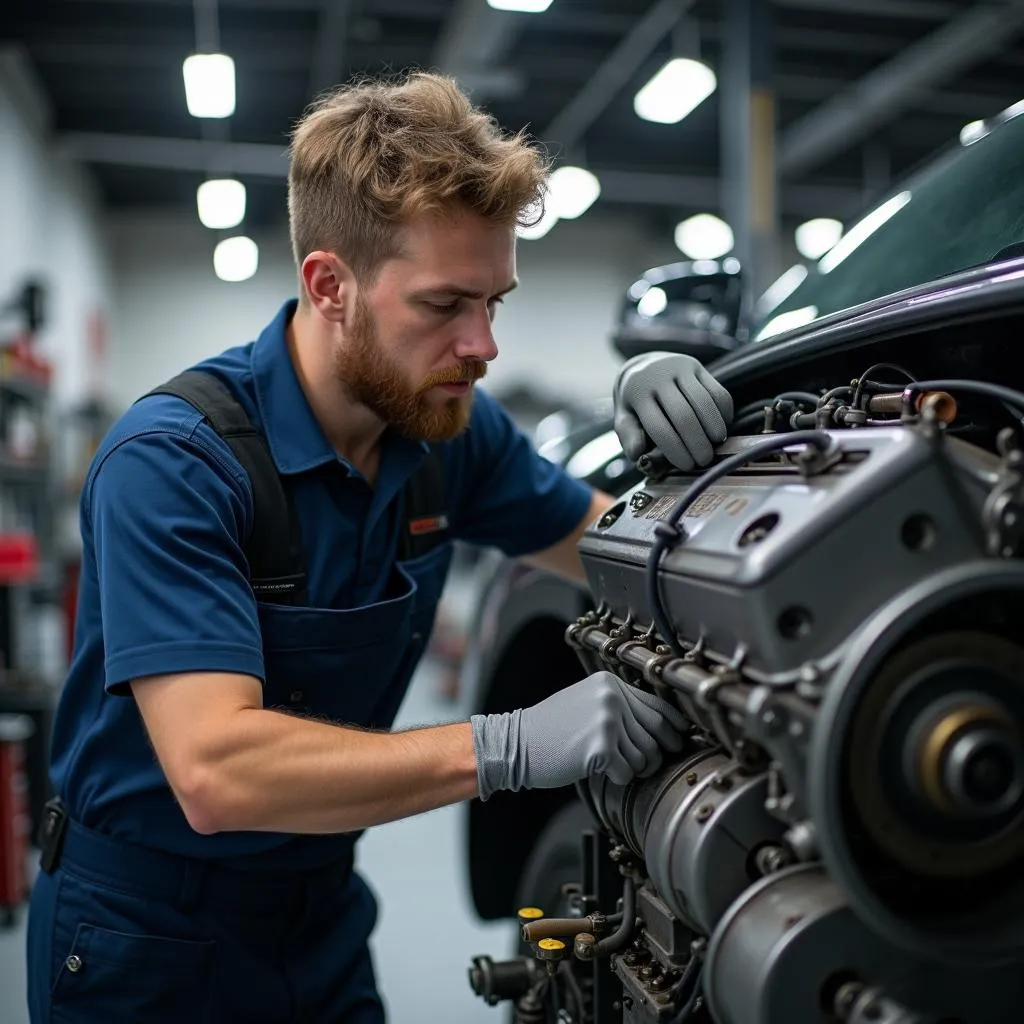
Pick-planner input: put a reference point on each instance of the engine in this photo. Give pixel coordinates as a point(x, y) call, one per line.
point(837, 606)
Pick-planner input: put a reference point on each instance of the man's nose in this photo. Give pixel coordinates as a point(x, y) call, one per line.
point(477, 340)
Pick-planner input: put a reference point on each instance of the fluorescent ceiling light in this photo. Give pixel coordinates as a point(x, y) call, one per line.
point(704, 237)
point(862, 231)
point(221, 203)
point(236, 259)
point(525, 6)
point(531, 232)
point(209, 84)
point(653, 302)
point(572, 191)
point(679, 87)
point(815, 237)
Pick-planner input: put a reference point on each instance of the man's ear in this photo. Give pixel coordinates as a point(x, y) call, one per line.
point(331, 287)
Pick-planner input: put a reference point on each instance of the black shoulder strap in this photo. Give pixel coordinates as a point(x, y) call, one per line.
point(424, 516)
point(277, 565)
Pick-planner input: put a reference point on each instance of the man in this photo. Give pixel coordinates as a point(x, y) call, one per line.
point(251, 613)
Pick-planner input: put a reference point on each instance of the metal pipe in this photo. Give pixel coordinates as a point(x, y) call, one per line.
point(680, 674)
point(619, 939)
point(942, 402)
point(561, 927)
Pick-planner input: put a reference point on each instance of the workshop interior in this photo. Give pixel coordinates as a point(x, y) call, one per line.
point(820, 200)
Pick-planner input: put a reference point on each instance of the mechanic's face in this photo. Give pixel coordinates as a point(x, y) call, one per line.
point(422, 330)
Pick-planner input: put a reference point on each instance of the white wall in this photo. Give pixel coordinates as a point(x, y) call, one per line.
point(50, 227)
point(553, 331)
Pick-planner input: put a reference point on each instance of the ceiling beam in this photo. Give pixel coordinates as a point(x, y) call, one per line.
point(955, 104)
point(612, 75)
point(330, 45)
point(473, 40)
point(704, 192)
point(883, 94)
point(922, 10)
point(260, 160)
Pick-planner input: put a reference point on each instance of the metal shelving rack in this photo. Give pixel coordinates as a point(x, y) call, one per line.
point(30, 575)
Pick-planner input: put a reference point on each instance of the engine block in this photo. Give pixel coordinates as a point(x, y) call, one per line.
point(842, 838)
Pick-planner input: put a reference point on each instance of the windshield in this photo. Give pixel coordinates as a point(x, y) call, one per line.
point(961, 211)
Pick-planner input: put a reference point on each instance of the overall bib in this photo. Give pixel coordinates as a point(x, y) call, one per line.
point(129, 933)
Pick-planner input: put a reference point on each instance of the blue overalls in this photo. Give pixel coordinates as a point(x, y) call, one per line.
point(144, 919)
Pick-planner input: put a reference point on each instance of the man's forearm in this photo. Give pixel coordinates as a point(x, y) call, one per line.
point(273, 772)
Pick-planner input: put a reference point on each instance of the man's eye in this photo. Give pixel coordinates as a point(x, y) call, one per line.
point(438, 307)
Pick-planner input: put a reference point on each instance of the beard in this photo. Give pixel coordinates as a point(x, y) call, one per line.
point(375, 380)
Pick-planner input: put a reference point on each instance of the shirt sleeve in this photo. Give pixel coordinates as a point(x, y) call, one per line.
point(511, 497)
point(165, 512)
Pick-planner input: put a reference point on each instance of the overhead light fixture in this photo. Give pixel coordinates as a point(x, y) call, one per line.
point(209, 84)
point(236, 259)
point(815, 237)
point(862, 231)
point(572, 191)
point(221, 203)
point(677, 89)
point(538, 229)
point(523, 6)
point(704, 237)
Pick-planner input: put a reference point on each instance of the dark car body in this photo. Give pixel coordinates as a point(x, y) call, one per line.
point(934, 283)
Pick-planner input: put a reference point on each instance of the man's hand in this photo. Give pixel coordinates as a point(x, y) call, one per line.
point(600, 725)
point(672, 402)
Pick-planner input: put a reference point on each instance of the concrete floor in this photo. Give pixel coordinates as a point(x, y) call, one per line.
point(427, 933)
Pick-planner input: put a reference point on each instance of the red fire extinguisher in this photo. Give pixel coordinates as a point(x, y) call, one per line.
point(15, 730)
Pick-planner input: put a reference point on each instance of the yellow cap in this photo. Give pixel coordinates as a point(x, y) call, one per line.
point(551, 944)
point(530, 913)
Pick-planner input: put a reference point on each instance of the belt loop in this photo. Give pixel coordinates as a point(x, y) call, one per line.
point(191, 884)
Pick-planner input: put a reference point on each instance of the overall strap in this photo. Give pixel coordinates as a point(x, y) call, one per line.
point(424, 510)
point(277, 564)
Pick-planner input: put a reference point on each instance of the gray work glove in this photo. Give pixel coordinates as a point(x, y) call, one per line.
point(600, 725)
point(672, 402)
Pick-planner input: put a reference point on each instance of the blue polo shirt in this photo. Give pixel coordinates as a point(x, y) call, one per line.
point(165, 512)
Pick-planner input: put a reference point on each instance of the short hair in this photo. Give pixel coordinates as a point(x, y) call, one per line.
point(370, 155)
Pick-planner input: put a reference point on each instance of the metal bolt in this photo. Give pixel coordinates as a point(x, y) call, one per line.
point(73, 963)
point(691, 778)
point(704, 812)
point(773, 722)
point(846, 997)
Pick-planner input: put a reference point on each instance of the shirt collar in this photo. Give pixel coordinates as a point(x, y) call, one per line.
point(296, 439)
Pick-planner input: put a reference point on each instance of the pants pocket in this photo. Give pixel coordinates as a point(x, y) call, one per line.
point(108, 975)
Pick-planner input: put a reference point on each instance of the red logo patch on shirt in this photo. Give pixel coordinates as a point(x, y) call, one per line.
point(428, 524)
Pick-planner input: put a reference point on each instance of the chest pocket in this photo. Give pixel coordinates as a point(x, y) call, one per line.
point(351, 664)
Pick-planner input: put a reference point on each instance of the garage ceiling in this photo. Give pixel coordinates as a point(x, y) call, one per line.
point(866, 89)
